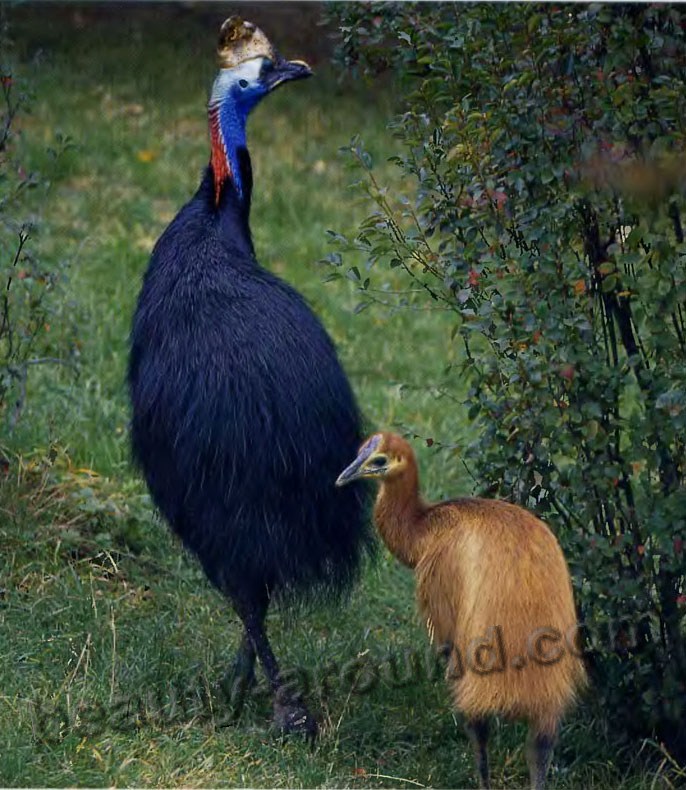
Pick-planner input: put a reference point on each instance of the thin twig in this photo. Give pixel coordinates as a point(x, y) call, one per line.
point(6, 325)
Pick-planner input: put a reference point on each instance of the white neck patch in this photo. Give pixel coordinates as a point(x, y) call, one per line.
point(249, 71)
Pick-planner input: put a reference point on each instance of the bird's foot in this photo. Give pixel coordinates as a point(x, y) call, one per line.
point(291, 716)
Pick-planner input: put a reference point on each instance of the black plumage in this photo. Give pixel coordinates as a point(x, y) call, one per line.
point(242, 419)
point(242, 413)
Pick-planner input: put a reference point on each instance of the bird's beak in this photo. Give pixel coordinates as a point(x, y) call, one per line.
point(351, 472)
point(357, 467)
point(286, 70)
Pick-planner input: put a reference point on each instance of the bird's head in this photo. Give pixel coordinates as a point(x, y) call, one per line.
point(249, 68)
point(384, 456)
point(249, 65)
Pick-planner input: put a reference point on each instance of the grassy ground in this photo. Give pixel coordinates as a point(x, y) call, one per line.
point(113, 648)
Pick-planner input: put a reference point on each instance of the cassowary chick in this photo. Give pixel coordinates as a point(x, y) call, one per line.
point(494, 589)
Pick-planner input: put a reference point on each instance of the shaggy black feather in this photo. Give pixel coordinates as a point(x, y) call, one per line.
point(242, 414)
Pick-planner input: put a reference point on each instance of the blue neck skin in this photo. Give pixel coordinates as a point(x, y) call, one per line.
point(233, 117)
point(234, 107)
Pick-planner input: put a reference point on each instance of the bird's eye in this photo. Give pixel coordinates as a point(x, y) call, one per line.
point(243, 83)
point(378, 462)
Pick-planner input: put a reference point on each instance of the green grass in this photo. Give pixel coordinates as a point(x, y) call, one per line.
point(99, 605)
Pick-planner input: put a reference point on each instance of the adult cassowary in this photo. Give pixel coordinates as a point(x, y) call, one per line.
point(242, 414)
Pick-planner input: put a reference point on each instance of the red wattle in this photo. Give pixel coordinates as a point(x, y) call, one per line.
point(219, 159)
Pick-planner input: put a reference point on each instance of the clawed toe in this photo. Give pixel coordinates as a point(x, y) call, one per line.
point(293, 717)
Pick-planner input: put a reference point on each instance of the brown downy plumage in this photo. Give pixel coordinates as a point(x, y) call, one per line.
point(494, 589)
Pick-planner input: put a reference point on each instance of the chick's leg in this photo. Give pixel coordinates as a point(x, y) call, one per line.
point(538, 753)
point(477, 729)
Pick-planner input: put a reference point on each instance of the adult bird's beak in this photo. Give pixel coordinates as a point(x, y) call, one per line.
point(285, 70)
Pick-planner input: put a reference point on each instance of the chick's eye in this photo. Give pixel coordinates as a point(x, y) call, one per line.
point(243, 83)
point(378, 462)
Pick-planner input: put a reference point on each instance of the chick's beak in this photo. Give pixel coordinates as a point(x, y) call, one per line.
point(350, 473)
point(358, 468)
point(285, 70)
point(354, 471)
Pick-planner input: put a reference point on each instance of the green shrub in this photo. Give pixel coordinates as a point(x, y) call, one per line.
point(544, 153)
point(33, 326)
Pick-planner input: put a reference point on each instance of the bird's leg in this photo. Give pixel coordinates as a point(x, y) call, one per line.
point(477, 729)
point(241, 678)
point(538, 753)
point(244, 663)
point(290, 713)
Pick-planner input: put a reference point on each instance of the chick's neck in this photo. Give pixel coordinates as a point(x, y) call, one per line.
point(399, 514)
